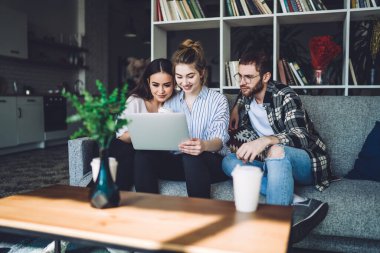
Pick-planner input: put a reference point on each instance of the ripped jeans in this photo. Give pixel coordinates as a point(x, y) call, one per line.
point(280, 174)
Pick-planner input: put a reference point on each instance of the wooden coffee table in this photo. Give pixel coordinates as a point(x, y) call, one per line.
point(147, 221)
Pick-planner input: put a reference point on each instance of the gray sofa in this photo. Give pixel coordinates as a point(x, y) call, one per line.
point(353, 221)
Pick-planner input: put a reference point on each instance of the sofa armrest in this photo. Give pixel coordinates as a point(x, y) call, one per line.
point(81, 152)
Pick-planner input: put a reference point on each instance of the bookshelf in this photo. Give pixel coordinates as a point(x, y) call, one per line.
point(339, 13)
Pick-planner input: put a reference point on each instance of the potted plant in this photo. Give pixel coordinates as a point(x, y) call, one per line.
point(99, 115)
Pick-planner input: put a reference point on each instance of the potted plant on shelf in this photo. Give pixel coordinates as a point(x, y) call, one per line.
point(99, 115)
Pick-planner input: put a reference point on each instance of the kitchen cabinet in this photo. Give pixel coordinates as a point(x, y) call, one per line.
point(30, 119)
point(13, 33)
point(22, 121)
point(8, 126)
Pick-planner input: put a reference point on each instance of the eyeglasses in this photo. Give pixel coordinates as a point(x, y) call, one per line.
point(247, 78)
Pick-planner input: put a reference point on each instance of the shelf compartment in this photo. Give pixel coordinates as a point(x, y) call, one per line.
point(190, 24)
point(311, 17)
point(364, 13)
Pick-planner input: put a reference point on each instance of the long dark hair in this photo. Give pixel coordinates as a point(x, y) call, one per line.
point(142, 89)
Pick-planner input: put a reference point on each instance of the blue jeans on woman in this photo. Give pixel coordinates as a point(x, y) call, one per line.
point(280, 174)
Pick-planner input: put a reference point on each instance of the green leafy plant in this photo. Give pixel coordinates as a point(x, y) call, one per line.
point(99, 114)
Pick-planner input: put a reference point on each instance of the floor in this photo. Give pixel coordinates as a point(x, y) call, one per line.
point(26, 171)
point(29, 170)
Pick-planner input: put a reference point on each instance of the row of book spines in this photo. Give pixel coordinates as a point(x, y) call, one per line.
point(247, 7)
point(290, 73)
point(301, 5)
point(168, 10)
point(365, 3)
point(231, 70)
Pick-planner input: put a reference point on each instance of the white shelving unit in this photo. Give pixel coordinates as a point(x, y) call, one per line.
point(224, 23)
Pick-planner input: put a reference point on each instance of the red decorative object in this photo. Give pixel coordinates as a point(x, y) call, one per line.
point(322, 51)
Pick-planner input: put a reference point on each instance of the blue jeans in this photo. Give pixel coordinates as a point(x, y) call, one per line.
point(280, 174)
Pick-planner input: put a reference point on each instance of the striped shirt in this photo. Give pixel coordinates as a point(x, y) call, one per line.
point(293, 127)
point(208, 118)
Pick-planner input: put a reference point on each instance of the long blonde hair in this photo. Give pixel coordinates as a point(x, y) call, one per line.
point(191, 52)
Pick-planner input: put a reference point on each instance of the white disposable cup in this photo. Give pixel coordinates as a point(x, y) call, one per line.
point(95, 165)
point(247, 183)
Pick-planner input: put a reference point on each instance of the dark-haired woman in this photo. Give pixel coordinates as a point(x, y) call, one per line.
point(207, 115)
point(154, 89)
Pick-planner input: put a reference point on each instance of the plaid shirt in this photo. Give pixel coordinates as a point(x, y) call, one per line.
point(292, 126)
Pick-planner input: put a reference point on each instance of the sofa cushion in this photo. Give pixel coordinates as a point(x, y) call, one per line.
point(354, 208)
point(367, 166)
point(342, 124)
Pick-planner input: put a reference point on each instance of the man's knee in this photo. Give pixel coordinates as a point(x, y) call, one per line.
point(276, 151)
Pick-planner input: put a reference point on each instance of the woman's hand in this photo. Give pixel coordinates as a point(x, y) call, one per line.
point(125, 137)
point(193, 146)
point(234, 118)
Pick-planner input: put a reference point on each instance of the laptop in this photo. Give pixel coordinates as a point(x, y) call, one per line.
point(157, 131)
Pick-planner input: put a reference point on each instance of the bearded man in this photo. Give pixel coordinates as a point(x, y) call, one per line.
point(283, 142)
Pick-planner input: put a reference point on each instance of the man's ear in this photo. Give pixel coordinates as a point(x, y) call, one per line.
point(266, 77)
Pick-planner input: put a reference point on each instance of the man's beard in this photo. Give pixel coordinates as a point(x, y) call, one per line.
point(255, 90)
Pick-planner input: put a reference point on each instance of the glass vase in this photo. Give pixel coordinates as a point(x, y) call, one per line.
point(318, 80)
point(105, 193)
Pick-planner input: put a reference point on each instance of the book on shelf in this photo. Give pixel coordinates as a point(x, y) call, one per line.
point(352, 72)
point(233, 65)
point(305, 6)
point(374, 3)
point(188, 9)
point(266, 7)
point(158, 11)
point(353, 4)
point(281, 72)
point(173, 10)
point(290, 78)
point(179, 14)
point(283, 8)
point(311, 4)
point(234, 8)
point(245, 7)
point(298, 77)
point(259, 6)
point(300, 73)
point(194, 8)
point(200, 9)
point(229, 8)
point(252, 7)
point(228, 75)
point(165, 10)
point(239, 8)
point(319, 5)
point(292, 5)
point(299, 6)
point(183, 9)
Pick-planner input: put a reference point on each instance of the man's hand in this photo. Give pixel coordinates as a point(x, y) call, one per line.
point(248, 151)
point(193, 146)
point(234, 118)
